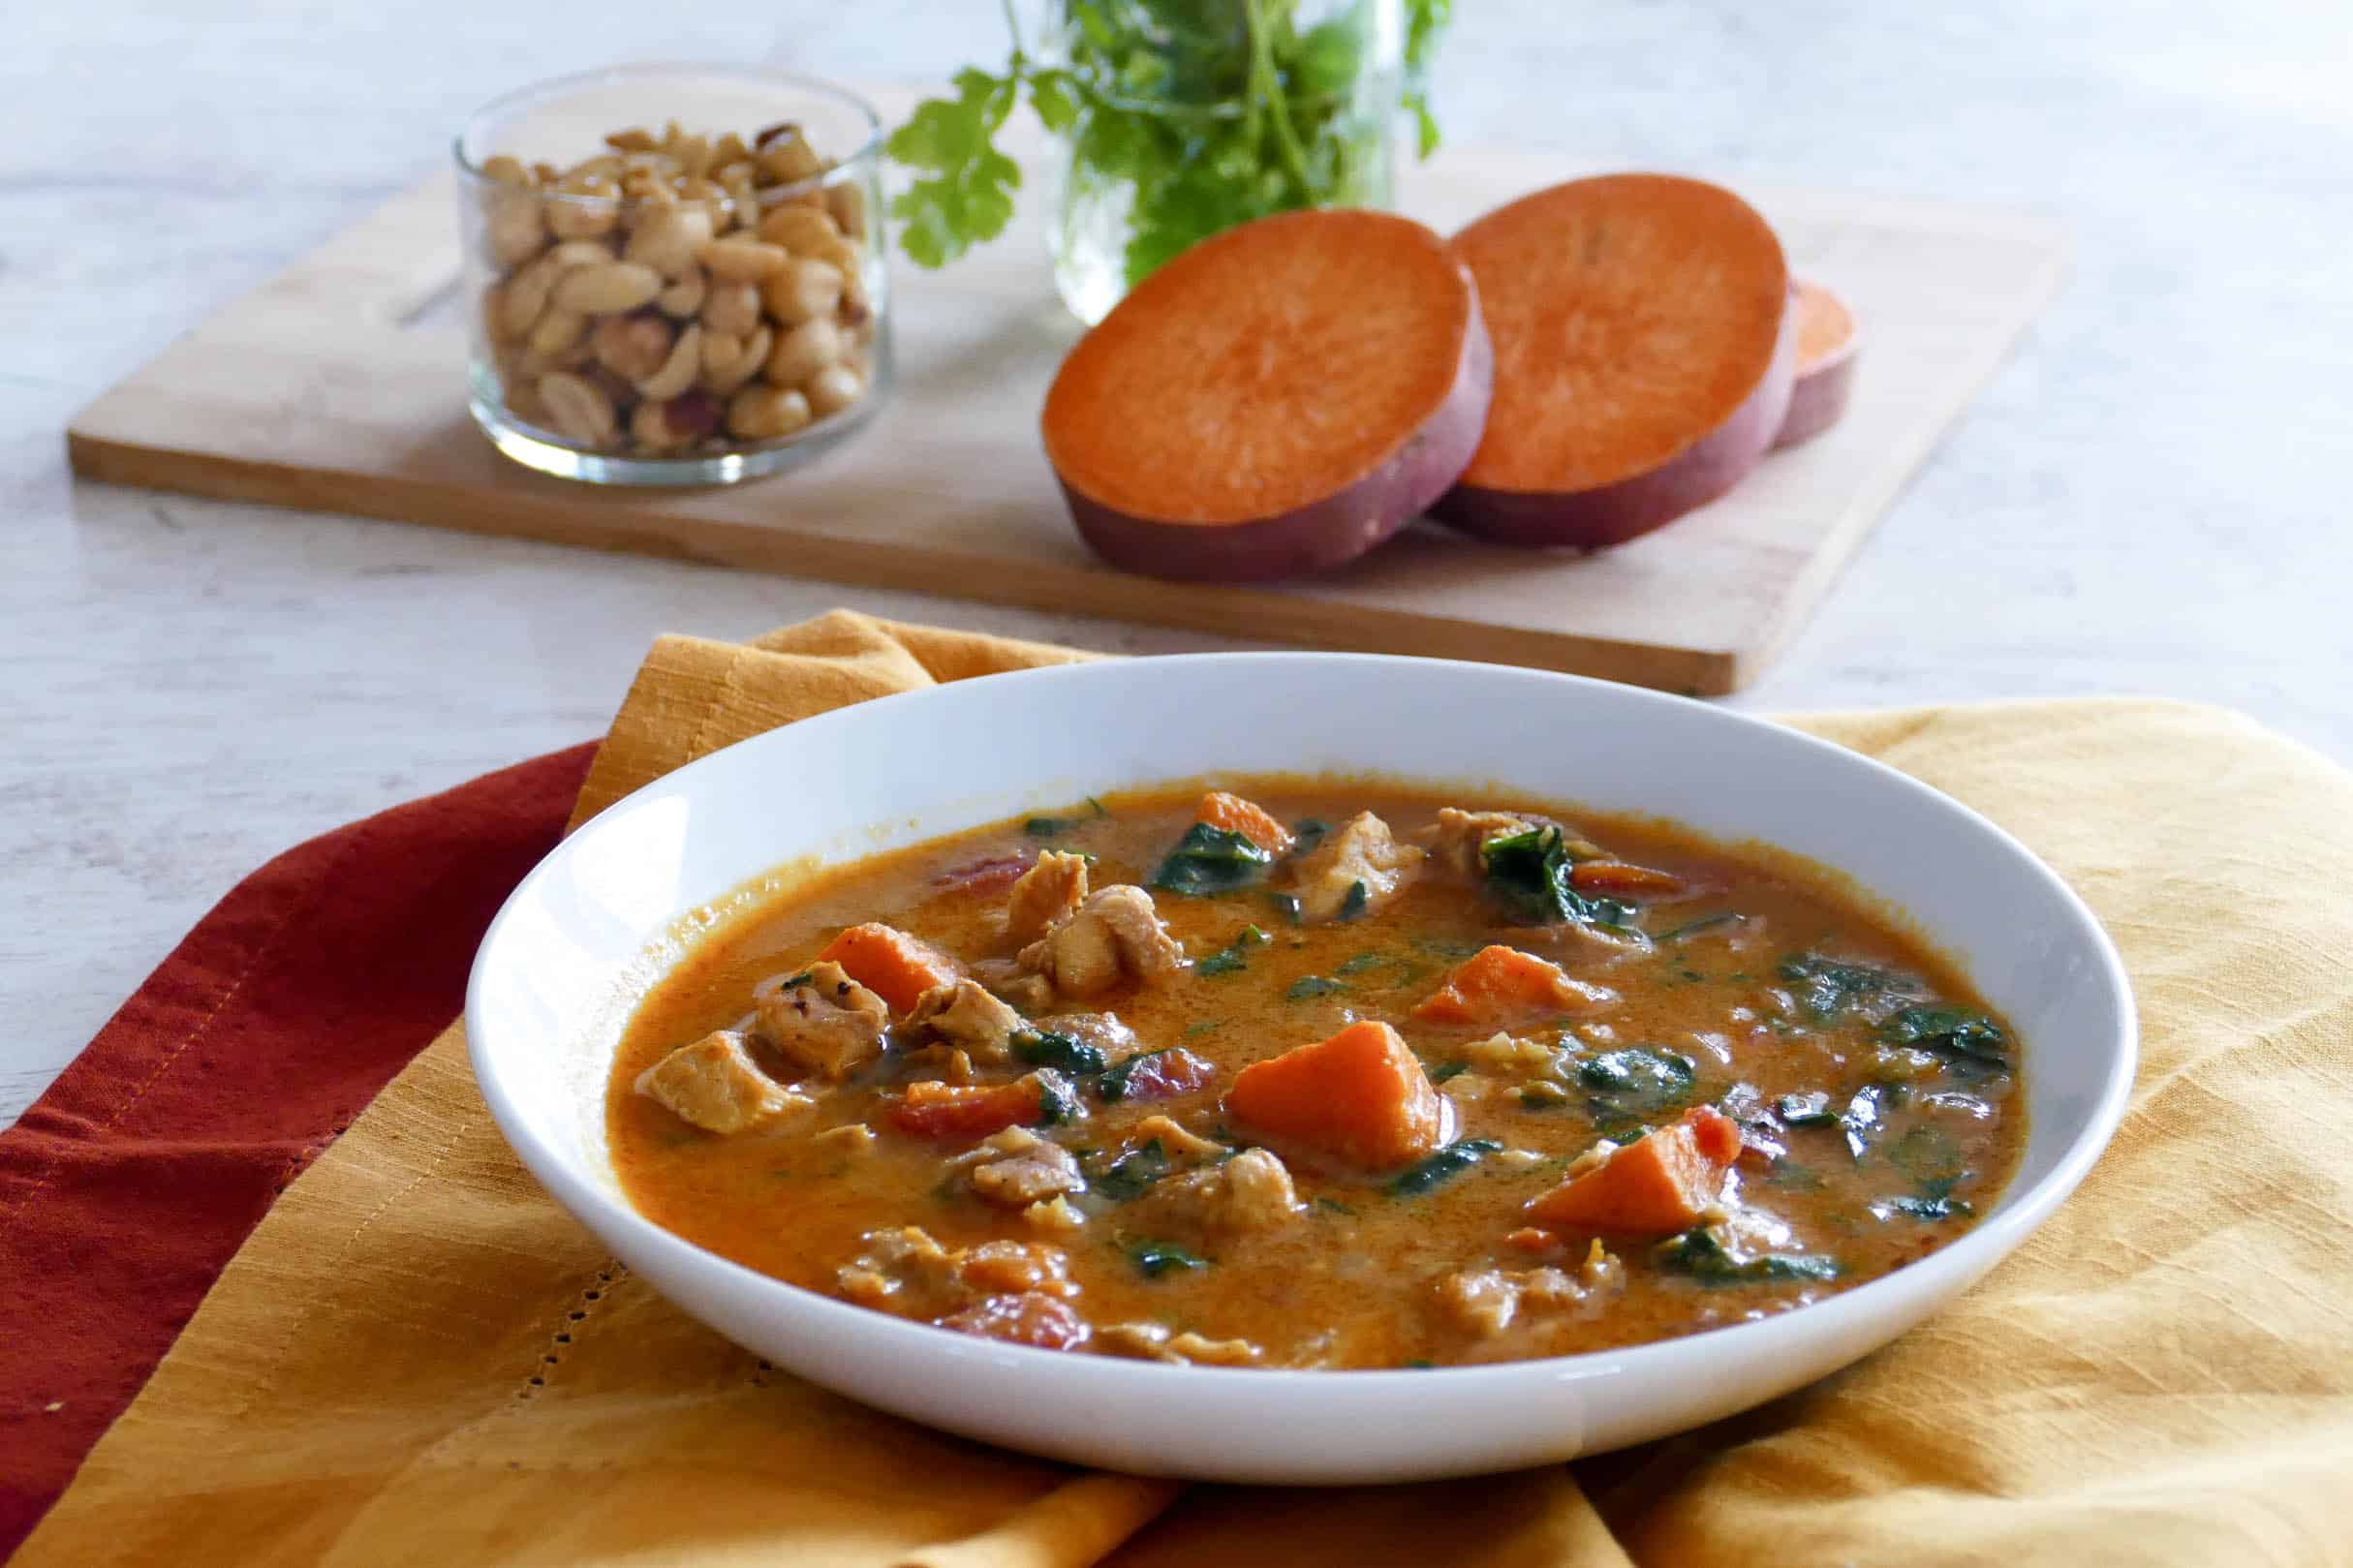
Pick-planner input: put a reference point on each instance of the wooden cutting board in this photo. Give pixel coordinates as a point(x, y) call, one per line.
point(339, 386)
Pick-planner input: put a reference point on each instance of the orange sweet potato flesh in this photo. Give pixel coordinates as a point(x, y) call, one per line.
point(1642, 365)
point(1656, 1185)
point(1247, 818)
point(968, 1111)
point(1827, 342)
point(1500, 986)
point(1278, 399)
point(1359, 1098)
point(889, 963)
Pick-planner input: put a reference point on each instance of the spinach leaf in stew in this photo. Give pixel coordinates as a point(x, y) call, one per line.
point(1210, 860)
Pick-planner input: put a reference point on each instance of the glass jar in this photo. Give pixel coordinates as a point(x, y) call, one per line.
point(1200, 114)
point(674, 274)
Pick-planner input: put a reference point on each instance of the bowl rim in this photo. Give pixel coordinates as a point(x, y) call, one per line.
point(1954, 1266)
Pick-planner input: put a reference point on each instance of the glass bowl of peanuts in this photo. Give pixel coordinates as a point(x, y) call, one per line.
point(677, 273)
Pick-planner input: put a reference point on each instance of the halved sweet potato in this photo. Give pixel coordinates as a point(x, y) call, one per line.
point(1360, 1097)
point(1827, 342)
point(1278, 399)
point(1643, 358)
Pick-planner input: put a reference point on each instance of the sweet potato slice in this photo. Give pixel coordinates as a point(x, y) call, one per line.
point(1827, 343)
point(1643, 358)
point(1247, 818)
point(1359, 1098)
point(1278, 399)
point(1498, 987)
point(889, 963)
point(1656, 1185)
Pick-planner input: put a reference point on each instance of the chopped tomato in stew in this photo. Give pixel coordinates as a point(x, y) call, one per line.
point(1289, 1072)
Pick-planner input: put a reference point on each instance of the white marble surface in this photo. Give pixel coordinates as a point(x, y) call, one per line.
point(2147, 500)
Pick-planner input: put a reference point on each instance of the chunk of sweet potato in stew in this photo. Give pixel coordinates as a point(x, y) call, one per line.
point(1500, 987)
point(1359, 1098)
point(891, 964)
point(931, 1108)
point(1662, 1182)
point(1252, 822)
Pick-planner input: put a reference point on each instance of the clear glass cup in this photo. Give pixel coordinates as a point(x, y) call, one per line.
point(1247, 108)
point(611, 339)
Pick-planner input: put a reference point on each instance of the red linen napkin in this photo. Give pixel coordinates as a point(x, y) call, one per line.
point(126, 1188)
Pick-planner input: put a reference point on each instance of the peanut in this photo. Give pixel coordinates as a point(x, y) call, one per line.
point(803, 351)
point(798, 228)
point(636, 138)
point(579, 253)
point(729, 361)
point(515, 226)
point(786, 158)
point(805, 290)
point(743, 261)
point(680, 370)
point(506, 170)
point(767, 413)
point(669, 241)
point(555, 333)
point(743, 194)
point(679, 421)
point(848, 205)
point(584, 206)
point(604, 166)
point(525, 297)
point(842, 255)
point(603, 287)
point(729, 151)
point(580, 411)
point(731, 307)
point(684, 297)
point(707, 194)
point(632, 347)
point(833, 389)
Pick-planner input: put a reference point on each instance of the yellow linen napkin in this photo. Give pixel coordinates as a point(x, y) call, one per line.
point(417, 1359)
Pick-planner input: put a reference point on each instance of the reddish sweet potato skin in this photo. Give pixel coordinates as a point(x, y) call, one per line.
point(1818, 397)
point(1817, 401)
point(1328, 533)
point(1613, 513)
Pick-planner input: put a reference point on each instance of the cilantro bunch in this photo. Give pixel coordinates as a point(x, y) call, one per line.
point(1212, 111)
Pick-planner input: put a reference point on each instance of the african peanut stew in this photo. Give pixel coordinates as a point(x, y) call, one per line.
point(1319, 1073)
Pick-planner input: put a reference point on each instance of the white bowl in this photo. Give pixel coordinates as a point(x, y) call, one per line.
point(577, 942)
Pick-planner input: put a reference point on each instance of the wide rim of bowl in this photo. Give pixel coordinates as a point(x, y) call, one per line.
point(1949, 1269)
point(844, 166)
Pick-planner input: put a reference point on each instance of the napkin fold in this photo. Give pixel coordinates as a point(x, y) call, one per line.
point(416, 1358)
